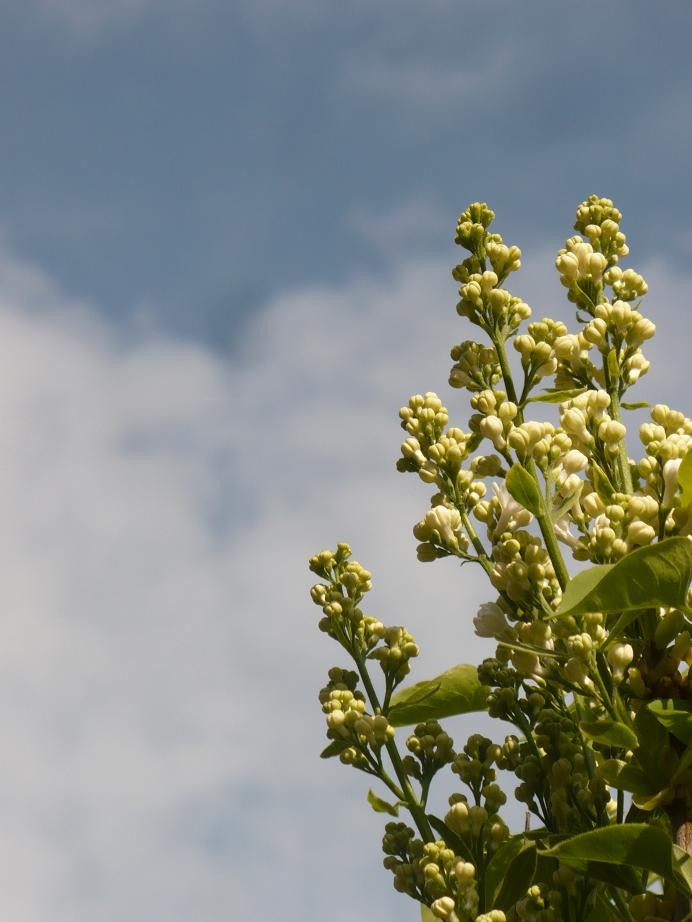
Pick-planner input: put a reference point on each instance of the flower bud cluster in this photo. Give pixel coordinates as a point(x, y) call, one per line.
point(395, 653)
point(431, 873)
point(346, 622)
point(344, 706)
point(537, 636)
point(431, 748)
point(581, 270)
point(495, 416)
point(575, 368)
point(523, 568)
point(532, 440)
point(624, 523)
point(553, 772)
point(619, 326)
point(594, 211)
point(599, 219)
point(541, 904)
point(666, 440)
point(665, 675)
point(478, 824)
point(586, 420)
point(348, 720)
point(538, 357)
point(586, 266)
point(475, 366)
point(645, 906)
point(440, 533)
point(340, 598)
point(503, 681)
point(627, 285)
point(472, 234)
point(491, 308)
point(472, 228)
point(432, 452)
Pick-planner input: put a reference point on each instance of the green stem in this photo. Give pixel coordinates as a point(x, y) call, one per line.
point(483, 558)
point(544, 522)
point(622, 459)
point(620, 903)
point(409, 797)
point(605, 697)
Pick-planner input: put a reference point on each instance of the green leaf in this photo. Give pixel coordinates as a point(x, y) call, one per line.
point(640, 405)
point(451, 839)
point(668, 628)
point(558, 511)
point(609, 732)
point(510, 873)
point(601, 482)
point(335, 749)
point(426, 914)
point(524, 489)
point(456, 691)
point(675, 715)
point(556, 396)
point(381, 806)
point(685, 480)
point(603, 911)
point(625, 777)
point(627, 845)
point(612, 365)
point(683, 773)
point(656, 757)
point(658, 574)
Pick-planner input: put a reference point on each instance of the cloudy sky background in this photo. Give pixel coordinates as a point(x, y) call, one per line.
point(225, 242)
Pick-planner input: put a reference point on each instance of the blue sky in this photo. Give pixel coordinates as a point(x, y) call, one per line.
point(225, 242)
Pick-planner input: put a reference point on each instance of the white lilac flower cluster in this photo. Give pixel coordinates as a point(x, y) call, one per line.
point(599, 502)
point(517, 496)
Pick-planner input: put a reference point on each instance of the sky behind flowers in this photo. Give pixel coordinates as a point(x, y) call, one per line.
point(225, 242)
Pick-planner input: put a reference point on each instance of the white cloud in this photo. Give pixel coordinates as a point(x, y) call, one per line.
point(88, 19)
point(431, 85)
point(415, 225)
point(159, 656)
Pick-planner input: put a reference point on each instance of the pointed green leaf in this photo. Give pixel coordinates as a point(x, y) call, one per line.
point(654, 755)
point(523, 488)
point(613, 366)
point(456, 691)
point(520, 874)
point(658, 574)
point(426, 914)
point(609, 732)
point(639, 405)
point(683, 773)
point(675, 715)
point(685, 480)
point(451, 839)
point(648, 803)
point(601, 482)
point(603, 911)
point(628, 845)
point(381, 806)
point(558, 511)
point(335, 748)
point(511, 868)
point(555, 396)
point(668, 628)
point(625, 777)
